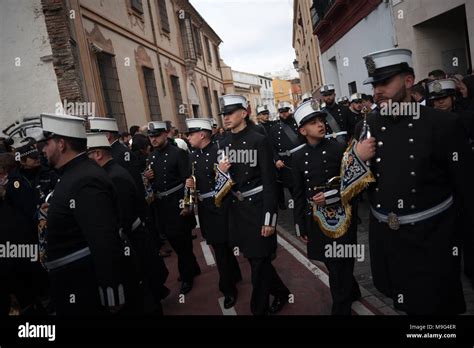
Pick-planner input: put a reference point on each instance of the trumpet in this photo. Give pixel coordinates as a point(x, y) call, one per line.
point(190, 194)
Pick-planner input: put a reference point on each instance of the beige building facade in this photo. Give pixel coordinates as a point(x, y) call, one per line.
point(306, 47)
point(134, 60)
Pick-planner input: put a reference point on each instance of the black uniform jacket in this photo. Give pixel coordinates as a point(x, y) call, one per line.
point(213, 221)
point(420, 162)
point(171, 167)
point(343, 117)
point(127, 159)
point(313, 166)
point(131, 203)
point(280, 140)
point(83, 213)
point(247, 217)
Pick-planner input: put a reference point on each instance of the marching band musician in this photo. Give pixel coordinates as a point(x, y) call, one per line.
point(321, 219)
point(253, 207)
point(421, 161)
point(88, 270)
point(212, 220)
point(170, 167)
point(132, 212)
point(339, 121)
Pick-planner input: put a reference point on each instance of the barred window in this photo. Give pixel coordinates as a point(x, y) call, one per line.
point(178, 100)
point(216, 53)
point(185, 27)
point(137, 6)
point(208, 100)
point(111, 89)
point(208, 48)
point(197, 40)
point(152, 94)
point(216, 102)
point(165, 24)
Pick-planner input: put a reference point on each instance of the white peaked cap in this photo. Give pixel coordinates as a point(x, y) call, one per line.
point(437, 86)
point(327, 88)
point(64, 125)
point(103, 124)
point(382, 65)
point(199, 124)
point(157, 126)
point(283, 105)
point(355, 96)
point(230, 102)
point(389, 57)
point(261, 108)
point(307, 111)
point(97, 140)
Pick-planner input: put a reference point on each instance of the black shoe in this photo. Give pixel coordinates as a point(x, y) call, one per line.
point(229, 301)
point(186, 287)
point(277, 304)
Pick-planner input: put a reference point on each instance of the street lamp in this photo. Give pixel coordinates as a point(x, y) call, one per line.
point(296, 65)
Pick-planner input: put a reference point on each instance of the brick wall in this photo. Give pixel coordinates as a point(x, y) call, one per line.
point(65, 61)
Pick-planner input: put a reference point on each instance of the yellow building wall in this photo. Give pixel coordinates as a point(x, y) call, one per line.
point(282, 91)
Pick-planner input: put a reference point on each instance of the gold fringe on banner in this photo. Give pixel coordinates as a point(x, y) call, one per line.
point(341, 230)
point(224, 184)
point(353, 166)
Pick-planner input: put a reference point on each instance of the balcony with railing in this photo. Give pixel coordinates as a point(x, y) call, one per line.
point(332, 19)
point(319, 10)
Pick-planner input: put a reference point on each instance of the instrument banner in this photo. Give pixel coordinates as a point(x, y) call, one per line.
point(333, 220)
point(355, 175)
point(223, 186)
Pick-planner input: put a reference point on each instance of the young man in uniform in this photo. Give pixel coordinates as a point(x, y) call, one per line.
point(89, 273)
point(253, 209)
point(356, 109)
point(120, 152)
point(170, 167)
point(132, 210)
point(263, 117)
point(422, 165)
point(313, 167)
point(212, 220)
point(285, 141)
point(339, 121)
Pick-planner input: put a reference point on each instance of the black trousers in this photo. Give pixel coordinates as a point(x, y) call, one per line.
point(151, 266)
point(187, 264)
point(76, 294)
point(285, 180)
point(265, 282)
point(344, 287)
point(228, 267)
